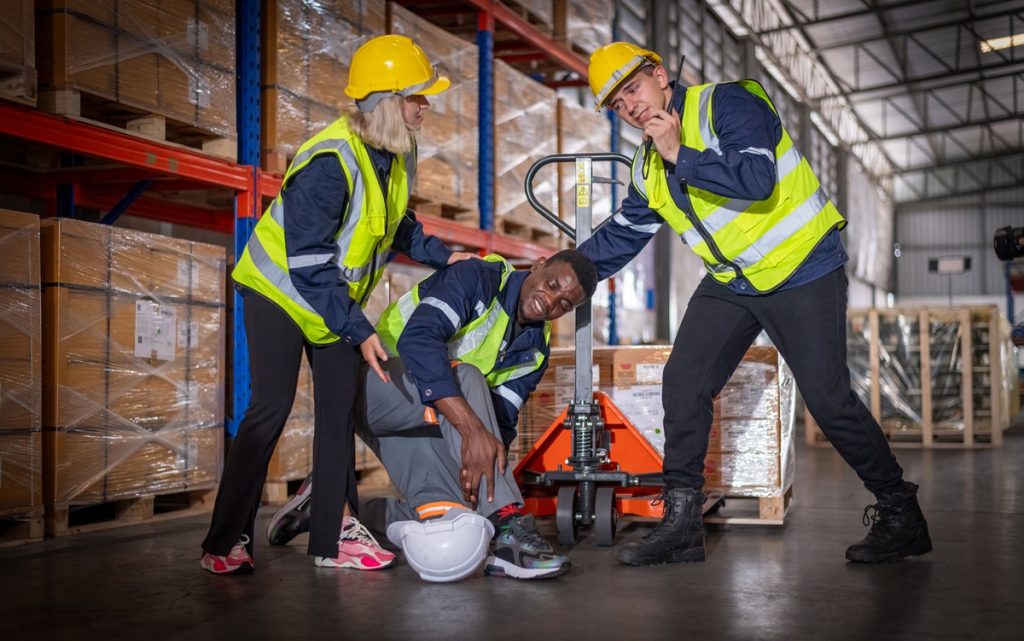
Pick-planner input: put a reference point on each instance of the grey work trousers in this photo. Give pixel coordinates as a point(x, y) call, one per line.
point(425, 460)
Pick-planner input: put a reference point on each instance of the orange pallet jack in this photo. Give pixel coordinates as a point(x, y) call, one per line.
point(591, 464)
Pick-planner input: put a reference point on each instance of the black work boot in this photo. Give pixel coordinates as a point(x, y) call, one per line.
point(679, 538)
point(898, 529)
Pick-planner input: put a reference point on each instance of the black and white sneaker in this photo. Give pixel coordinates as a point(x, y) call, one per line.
point(520, 552)
point(293, 517)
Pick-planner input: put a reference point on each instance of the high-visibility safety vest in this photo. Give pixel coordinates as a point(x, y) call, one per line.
point(362, 242)
point(764, 241)
point(478, 343)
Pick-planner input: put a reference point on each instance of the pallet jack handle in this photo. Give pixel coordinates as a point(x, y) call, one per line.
point(575, 159)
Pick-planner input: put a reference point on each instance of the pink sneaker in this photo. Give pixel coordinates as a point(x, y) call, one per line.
point(237, 561)
point(357, 549)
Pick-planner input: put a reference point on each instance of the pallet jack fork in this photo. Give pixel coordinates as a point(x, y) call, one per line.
point(591, 464)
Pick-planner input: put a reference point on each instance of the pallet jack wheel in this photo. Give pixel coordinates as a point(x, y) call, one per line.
point(606, 518)
point(565, 516)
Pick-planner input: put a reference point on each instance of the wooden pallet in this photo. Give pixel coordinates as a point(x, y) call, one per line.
point(746, 510)
point(540, 22)
point(21, 525)
point(62, 520)
point(976, 427)
point(18, 84)
point(459, 213)
point(542, 233)
point(99, 111)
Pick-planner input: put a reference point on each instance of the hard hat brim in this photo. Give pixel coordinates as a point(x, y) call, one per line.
point(442, 84)
point(601, 103)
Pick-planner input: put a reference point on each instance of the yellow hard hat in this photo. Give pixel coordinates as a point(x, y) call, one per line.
point(393, 64)
point(611, 64)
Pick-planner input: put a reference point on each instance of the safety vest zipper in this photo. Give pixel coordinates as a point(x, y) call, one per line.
point(705, 234)
point(382, 180)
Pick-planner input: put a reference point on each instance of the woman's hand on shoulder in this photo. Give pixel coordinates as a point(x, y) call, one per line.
point(457, 256)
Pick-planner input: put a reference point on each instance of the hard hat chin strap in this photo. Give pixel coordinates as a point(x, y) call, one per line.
point(369, 103)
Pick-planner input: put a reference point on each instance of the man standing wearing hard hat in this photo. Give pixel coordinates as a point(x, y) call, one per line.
point(310, 265)
point(725, 175)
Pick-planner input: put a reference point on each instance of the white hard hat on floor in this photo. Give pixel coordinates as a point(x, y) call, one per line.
point(444, 550)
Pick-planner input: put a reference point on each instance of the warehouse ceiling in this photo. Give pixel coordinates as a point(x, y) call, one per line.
point(927, 93)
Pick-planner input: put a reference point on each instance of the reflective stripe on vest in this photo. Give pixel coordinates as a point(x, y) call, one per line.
point(362, 242)
point(766, 239)
point(478, 343)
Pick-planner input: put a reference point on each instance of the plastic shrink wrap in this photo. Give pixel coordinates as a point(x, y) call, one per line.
point(751, 449)
point(20, 365)
point(134, 350)
point(18, 52)
point(118, 59)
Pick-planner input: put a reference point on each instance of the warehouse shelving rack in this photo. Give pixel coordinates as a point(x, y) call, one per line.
point(115, 171)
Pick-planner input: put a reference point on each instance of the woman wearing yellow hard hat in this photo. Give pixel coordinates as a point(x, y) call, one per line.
point(310, 265)
point(723, 172)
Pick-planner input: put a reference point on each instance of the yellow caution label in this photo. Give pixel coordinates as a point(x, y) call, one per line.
point(583, 195)
point(583, 171)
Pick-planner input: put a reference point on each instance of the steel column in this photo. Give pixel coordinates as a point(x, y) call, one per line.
point(246, 203)
point(485, 102)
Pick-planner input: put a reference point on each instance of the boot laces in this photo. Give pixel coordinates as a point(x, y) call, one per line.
point(881, 520)
point(524, 528)
point(664, 527)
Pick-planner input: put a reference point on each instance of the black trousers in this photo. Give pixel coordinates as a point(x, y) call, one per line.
point(276, 346)
point(808, 326)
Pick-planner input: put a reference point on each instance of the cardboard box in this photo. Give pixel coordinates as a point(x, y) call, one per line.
point(306, 49)
point(77, 46)
point(742, 472)
point(21, 460)
point(74, 466)
point(20, 322)
point(138, 54)
point(632, 365)
point(19, 248)
point(134, 386)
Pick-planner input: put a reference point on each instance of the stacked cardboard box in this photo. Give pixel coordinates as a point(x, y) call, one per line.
point(447, 145)
point(750, 452)
point(525, 131)
point(589, 24)
point(20, 364)
point(134, 347)
point(582, 131)
point(18, 52)
point(174, 58)
point(307, 48)
point(584, 25)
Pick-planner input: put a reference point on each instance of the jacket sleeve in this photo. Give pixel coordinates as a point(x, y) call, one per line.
point(748, 132)
point(314, 201)
point(411, 241)
point(510, 397)
point(623, 237)
point(449, 299)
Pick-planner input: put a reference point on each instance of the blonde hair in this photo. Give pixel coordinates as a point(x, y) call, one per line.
point(384, 127)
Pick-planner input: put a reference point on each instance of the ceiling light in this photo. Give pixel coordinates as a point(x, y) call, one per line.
point(995, 44)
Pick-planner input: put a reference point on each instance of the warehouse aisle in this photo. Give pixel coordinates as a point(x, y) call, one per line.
point(759, 583)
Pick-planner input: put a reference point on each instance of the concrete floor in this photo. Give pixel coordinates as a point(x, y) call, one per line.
point(758, 583)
